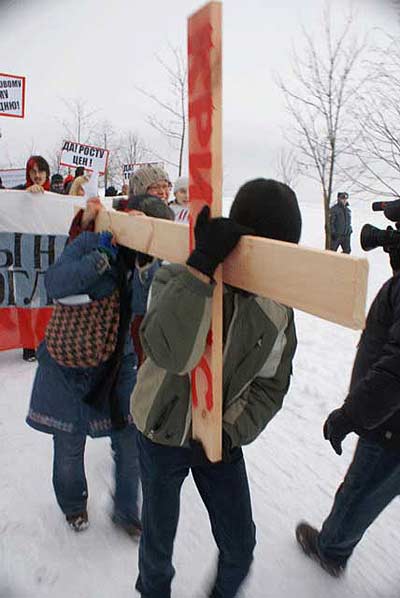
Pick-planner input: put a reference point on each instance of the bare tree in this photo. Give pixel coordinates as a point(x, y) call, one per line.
point(80, 125)
point(287, 167)
point(106, 137)
point(378, 149)
point(319, 97)
point(54, 156)
point(174, 125)
point(132, 148)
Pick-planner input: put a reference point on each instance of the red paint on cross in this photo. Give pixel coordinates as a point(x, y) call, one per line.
point(200, 164)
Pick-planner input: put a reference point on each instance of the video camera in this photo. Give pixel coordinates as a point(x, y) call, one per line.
point(372, 237)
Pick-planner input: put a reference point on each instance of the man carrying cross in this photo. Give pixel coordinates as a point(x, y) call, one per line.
point(259, 345)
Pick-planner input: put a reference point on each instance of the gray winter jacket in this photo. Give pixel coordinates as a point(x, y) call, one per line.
point(259, 345)
point(340, 216)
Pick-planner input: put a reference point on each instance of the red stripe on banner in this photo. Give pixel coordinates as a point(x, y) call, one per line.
point(22, 327)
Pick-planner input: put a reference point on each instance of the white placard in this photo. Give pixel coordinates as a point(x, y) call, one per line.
point(75, 154)
point(129, 169)
point(12, 177)
point(12, 95)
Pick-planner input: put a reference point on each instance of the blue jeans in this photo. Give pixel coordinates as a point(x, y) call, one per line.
point(69, 480)
point(371, 483)
point(224, 490)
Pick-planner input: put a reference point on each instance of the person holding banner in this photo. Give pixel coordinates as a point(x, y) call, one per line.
point(37, 175)
point(87, 366)
point(259, 345)
point(37, 181)
point(151, 180)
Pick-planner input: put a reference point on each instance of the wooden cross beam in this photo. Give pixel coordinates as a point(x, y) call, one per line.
point(205, 188)
point(326, 284)
point(321, 283)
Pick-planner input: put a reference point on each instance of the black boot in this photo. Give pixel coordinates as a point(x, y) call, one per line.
point(307, 537)
point(78, 522)
point(29, 354)
point(132, 528)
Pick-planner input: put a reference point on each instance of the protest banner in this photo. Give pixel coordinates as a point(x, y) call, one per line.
point(33, 233)
point(12, 177)
point(12, 95)
point(75, 154)
point(129, 169)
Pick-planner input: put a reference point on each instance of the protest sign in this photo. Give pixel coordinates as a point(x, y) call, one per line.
point(75, 154)
point(129, 169)
point(12, 95)
point(33, 233)
point(12, 177)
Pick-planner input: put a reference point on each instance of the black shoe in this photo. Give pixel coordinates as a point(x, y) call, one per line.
point(132, 528)
point(29, 354)
point(78, 522)
point(307, 537)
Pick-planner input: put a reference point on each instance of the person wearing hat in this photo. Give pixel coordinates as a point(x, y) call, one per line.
point(340, 220)
point(71, 398)
point(259, 345)
point(150, 180)
point(180, 205)
point(57, 184)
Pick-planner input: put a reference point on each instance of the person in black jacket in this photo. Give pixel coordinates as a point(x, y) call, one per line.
point(371, 410)
point(340, 218)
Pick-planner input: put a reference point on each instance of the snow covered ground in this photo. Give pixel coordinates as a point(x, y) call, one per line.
point(293, 475)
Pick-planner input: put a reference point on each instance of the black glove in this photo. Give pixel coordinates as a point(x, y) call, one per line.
point(215, 239)
point(336, 428)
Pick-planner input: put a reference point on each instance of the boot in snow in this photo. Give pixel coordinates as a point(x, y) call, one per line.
point(78, 522)
point(307, 537)
point(132, 528)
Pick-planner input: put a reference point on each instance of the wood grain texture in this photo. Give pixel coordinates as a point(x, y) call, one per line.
point(205, 188)
point(325, 284)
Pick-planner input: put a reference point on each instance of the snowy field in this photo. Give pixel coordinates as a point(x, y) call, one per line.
point(293, 475)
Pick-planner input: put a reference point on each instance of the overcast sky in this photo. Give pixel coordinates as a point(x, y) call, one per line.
point(99, 51)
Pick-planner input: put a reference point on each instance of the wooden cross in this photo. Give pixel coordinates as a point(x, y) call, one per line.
point(322, 283)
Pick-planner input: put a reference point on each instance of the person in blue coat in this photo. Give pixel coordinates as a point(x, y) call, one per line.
point(73, 402)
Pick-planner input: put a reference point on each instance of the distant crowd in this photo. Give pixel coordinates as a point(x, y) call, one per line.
point(156, 182)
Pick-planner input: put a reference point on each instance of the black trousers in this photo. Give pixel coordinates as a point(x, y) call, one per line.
point(343, 241)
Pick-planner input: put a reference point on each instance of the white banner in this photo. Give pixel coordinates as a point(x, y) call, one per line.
point(75, 154)
point(129, 169)
point(12, 177)
point(38, 213)
point(12, 95)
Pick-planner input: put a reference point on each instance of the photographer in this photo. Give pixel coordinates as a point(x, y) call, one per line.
point(340, 215)
point(371, 410)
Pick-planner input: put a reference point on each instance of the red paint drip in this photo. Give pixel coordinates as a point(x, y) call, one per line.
point(203, 365)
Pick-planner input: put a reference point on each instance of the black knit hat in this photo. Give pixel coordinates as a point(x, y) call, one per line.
point(57, 178)
point(269, 208)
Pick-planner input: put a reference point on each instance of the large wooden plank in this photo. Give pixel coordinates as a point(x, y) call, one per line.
point(205, 188)
point(326, 284)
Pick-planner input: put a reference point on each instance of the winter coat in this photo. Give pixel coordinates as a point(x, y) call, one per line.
point(373, 402)
point(57, 396)
point(340, 216)
point(181, 213)
point(259, 345)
